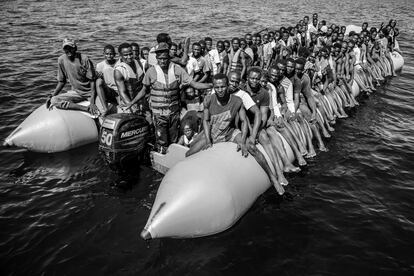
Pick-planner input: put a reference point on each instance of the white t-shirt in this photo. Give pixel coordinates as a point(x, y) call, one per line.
point(249, 51)
point(152, 57)
point(108, 74)
point(246, 99)
point(192, 66)
point(312, 29)
point(215, 59)
point(143, 62)
point(267, 51)
point(244, 96)
point(288, 86)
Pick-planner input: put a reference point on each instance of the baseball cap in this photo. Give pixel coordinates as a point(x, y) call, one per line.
point(162, 47)
point(69, 42)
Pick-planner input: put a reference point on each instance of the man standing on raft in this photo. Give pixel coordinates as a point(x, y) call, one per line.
point(128, 75)
point(163, 82)
point(78, 69)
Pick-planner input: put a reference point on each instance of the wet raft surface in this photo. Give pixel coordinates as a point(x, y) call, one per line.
point(349, 212)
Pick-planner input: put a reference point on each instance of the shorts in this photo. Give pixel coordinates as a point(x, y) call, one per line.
point(167, 129)
point(70, 96)
point(229, 137)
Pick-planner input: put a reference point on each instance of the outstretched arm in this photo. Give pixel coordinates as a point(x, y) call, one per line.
point(200, 86)
point(144, 90)
point(184, 58)
point(205, 77)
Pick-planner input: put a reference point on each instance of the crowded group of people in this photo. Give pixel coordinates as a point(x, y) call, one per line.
point(293, 82)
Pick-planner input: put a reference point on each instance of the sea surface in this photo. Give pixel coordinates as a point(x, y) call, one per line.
point(350, 212)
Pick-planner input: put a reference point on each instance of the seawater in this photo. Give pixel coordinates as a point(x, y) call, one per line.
point(350, 212)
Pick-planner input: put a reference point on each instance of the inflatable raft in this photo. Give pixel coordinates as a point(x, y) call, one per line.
point(208, 192)
point(397, 60)
point(54, 130)
point(202, 195)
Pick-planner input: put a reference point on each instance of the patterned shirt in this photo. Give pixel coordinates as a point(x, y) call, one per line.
point(222, 117)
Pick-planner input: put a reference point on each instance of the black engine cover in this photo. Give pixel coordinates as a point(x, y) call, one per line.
point(123, 138)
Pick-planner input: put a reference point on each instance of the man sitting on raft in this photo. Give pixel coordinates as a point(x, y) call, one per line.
point(221, 110)
point(78, 69)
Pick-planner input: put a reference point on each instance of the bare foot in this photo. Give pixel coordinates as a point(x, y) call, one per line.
point(326, 135)
point(323, 148)
point(331, 129)
point(283, 181)
point(302, 162)
point(280, 190)
point(291, 168)
point(311, 154)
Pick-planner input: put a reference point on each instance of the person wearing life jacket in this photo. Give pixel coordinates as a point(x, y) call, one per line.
point(128, 76)
point(237, 58)
point(162, 82)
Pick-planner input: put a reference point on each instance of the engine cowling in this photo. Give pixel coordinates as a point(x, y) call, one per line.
point(122, 139)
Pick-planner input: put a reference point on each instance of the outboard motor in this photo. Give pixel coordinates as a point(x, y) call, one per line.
point(122, 140)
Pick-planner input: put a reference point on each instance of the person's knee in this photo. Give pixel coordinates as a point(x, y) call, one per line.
point(59, 102)
point(55, 100)
point(263, 138)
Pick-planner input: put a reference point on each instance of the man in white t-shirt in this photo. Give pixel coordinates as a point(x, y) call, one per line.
point(105, 84)
point(213, 55)
point(249, 104)
point(197, 65)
